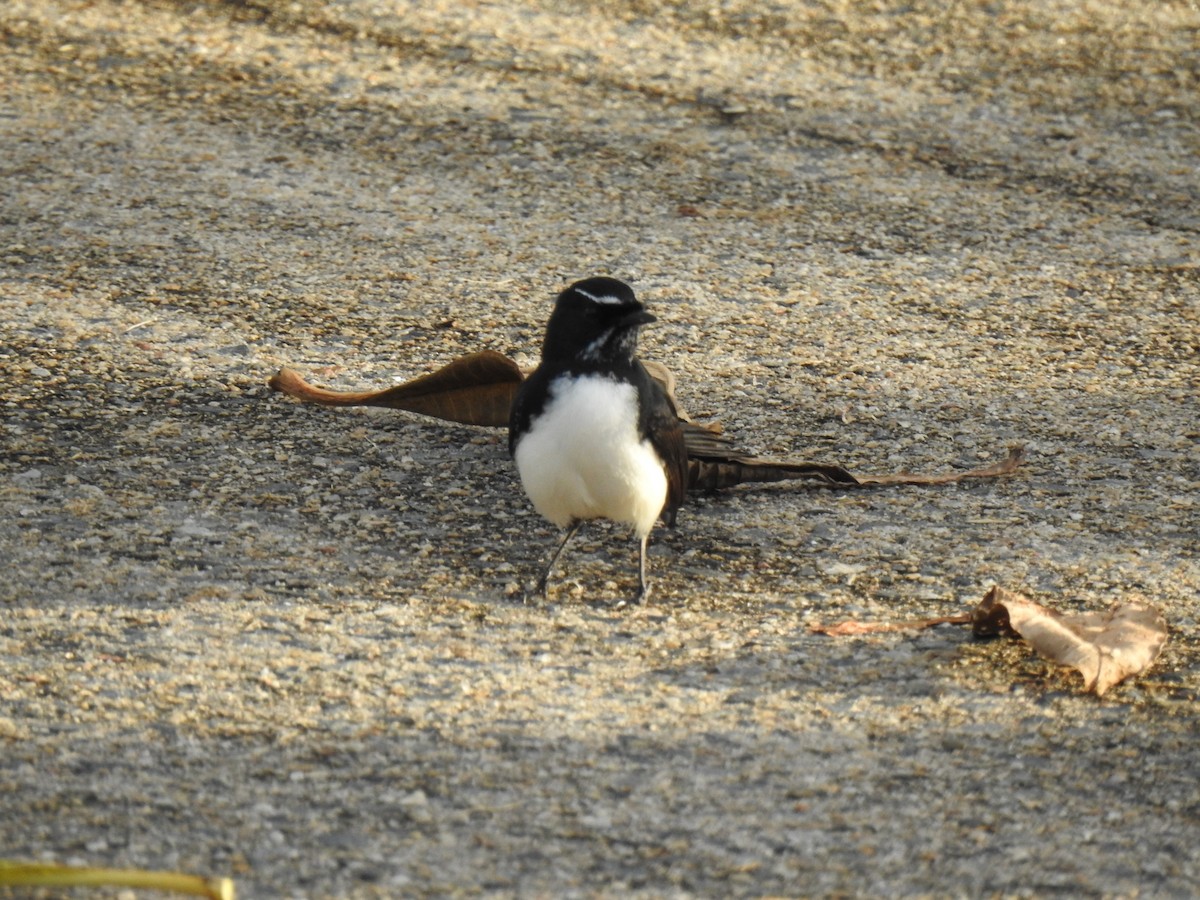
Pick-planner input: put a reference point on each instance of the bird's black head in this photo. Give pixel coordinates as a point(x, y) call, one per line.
point(594, 321)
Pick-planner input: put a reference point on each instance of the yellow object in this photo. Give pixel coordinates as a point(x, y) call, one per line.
point(55, 875)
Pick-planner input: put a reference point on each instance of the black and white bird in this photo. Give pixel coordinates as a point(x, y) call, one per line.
point(593, 435)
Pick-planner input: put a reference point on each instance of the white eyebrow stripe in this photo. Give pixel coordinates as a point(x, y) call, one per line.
point(607, 299)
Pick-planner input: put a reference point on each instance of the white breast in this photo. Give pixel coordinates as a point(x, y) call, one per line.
point(583, 459)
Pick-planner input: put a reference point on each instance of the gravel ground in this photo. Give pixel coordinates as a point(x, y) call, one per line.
point(250, 637)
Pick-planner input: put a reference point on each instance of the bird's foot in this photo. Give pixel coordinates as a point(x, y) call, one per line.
point(539, 595)
point(638, 599)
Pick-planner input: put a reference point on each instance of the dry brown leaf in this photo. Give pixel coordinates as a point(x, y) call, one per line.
point(476, 389)
point(479, 389)
point(1105, 647)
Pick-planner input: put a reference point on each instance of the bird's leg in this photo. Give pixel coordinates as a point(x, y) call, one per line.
point(543, 582)
point(643, 584)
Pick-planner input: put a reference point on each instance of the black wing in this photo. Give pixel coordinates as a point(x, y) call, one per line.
point(527, 406)
point(660, 423)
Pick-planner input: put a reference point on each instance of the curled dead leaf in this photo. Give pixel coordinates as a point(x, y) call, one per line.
point(476, 389)
point(1105, 647)
point(479, 389)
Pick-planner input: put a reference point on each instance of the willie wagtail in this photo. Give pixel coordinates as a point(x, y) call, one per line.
point(593, 435)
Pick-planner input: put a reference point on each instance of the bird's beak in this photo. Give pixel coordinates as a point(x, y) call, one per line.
point(637, 317)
